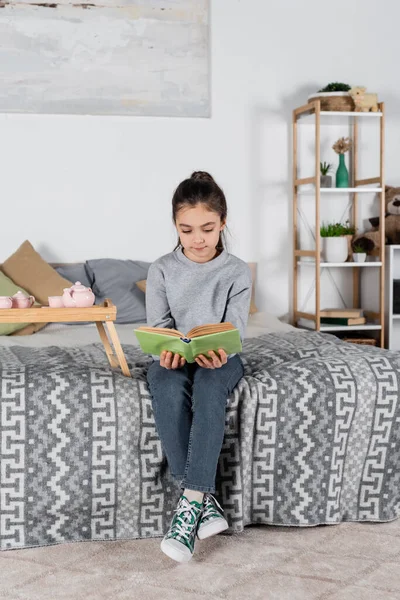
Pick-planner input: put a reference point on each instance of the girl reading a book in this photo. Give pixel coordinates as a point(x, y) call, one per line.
point(198, 282)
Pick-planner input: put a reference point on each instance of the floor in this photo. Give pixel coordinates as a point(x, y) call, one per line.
point(357, 561)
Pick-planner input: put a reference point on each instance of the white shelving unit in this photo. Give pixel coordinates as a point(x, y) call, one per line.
point(311, 114)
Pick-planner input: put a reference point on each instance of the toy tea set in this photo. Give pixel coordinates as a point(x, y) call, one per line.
point(77, 296)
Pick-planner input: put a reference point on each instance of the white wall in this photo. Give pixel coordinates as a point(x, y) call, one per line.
point(90, 187)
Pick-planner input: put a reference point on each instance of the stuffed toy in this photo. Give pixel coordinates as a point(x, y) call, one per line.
point(370, 240)
point(363, 102)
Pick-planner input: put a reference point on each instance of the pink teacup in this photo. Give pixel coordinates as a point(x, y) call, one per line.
point(56, 302)
point(5, 302)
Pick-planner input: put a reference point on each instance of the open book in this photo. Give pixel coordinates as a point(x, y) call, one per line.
point(199, 340)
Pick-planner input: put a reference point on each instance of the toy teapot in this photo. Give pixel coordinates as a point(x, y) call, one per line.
point(20, 300)
point(78, 296)
point(5, 302)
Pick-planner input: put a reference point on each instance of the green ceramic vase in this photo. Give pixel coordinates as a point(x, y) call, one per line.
point(342, 174)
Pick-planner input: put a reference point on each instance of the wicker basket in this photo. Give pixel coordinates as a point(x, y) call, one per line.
point(367, 341)
point(337, 101)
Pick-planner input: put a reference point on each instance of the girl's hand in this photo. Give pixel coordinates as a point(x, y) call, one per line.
point(215, 362)
point(169, 360)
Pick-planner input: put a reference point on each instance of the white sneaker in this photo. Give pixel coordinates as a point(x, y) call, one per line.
point(178, 542)
point(212, 519)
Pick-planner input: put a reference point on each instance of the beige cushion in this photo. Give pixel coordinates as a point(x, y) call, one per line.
point(253, 308)
point(142, 285)
point(30, 329)
point(29, 270)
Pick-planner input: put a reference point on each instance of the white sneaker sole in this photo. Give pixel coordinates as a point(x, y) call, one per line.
point(174, 553)
point(212, 529)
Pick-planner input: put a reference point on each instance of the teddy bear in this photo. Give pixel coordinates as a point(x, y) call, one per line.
point(370, 240)
point(363, 102)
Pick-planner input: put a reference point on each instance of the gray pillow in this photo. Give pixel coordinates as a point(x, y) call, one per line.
point(76, 272)
point(116, 279)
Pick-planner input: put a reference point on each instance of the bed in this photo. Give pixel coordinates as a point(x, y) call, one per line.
point(312, 436)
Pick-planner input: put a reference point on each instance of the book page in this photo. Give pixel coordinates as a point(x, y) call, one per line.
point(206, 329)
point(209, 328)
point(162, 330)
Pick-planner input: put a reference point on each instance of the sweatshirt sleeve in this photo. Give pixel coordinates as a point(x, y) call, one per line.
point(158, 312)
point(238, 304)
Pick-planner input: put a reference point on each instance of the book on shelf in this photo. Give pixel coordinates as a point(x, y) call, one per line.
point(342, 312)
point(343, 320)
point(199, 340)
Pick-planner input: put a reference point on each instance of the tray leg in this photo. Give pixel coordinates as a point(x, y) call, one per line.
point(109, 351)
point(118, 349)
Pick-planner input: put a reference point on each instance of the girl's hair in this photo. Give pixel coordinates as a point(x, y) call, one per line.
point(200, 188)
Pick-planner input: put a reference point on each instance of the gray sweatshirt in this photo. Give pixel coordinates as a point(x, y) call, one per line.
point(181, 293)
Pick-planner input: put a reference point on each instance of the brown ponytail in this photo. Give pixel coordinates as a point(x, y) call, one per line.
point(202, 176)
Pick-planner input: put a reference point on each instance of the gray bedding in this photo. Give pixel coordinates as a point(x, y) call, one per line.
point(312, 436)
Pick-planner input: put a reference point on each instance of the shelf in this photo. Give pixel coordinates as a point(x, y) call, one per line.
point(303, 324)
point(349, 327)
point(358, 190)
point(311, 263)
point(331, 117)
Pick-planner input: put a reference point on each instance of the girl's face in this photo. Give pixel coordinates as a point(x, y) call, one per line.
point(198, 230)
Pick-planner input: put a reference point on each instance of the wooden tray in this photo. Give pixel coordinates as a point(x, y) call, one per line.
point(103, 315)
point(44, 314)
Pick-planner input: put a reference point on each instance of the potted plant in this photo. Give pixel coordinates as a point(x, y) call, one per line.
point(335, 241)
point(342, 175)
point(359, 254)
point(325, 179)
point(334, 96)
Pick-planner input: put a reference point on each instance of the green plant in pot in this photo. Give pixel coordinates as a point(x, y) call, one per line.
point(335, 87)
point(342, 146)
point(359, 254)
point(334, 96)
point(336, 241)
point(325, 179)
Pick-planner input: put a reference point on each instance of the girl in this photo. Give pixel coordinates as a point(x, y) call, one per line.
point(199, 282)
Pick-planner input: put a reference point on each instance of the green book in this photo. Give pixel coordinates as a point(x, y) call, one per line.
point(153, 340)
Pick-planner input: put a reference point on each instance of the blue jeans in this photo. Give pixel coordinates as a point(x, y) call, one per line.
point(189, 406)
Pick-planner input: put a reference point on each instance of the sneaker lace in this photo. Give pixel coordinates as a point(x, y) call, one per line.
point(186, 517)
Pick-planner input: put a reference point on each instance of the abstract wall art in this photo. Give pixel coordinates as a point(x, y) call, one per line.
point(105, 57)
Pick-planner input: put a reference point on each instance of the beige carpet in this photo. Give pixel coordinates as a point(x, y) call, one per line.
point(336, 562)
